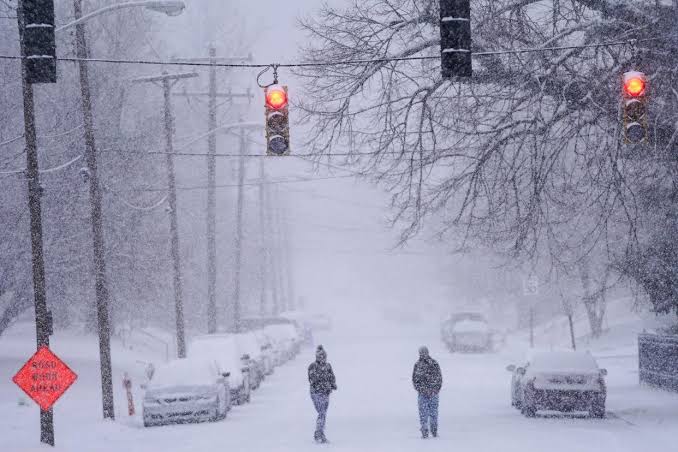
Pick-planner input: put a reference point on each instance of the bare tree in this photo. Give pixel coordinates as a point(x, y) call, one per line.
point(527, 155)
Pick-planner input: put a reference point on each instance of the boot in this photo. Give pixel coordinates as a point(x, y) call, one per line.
point(424, 433)
point(323, 438)
point(434, 432)
point(316, 436)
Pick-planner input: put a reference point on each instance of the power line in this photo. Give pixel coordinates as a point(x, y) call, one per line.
point(386, 59)
point(45, 171)
point(277, 182)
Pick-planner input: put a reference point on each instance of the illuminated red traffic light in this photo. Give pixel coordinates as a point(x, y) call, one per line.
point(276, 98)
point(634, 86)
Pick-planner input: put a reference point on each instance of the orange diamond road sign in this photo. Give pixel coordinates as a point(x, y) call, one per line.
point(44, 378)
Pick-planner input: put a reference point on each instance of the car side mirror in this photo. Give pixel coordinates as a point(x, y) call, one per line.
point(603, 372)
point(245, 357)
point(226, 374)
point(520, 371)
point(511, 368)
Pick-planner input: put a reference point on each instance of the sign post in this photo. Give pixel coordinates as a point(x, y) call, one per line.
point(531, 289)
point(45, 378)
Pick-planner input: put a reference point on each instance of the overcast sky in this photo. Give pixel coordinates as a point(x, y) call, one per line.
point(340, 240)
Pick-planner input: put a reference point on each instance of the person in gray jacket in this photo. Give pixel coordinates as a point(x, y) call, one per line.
point(428, 380)
point(322, 380)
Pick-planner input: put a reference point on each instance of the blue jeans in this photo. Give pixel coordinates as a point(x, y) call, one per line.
point(321, 403)
point(428, 412)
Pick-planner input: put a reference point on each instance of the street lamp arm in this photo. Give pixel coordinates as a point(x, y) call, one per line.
point(168, 7)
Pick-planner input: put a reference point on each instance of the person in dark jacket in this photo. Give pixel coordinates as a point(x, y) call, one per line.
point(427, 380)
point(322, 380)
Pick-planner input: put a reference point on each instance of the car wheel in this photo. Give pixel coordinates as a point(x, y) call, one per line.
point(597, 409)
point(528, 410)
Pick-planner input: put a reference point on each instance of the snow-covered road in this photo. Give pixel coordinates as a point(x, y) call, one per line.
point(373, 410)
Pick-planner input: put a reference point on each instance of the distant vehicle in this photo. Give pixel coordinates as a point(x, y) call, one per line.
point(559, 381)
point(224, 349)
point(186, 390)
point(319, 322)
point(286, 341)
point(467, 332)
point(303, 323)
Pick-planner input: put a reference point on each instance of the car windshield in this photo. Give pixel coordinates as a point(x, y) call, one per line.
point(193, 372)
point(563, 361)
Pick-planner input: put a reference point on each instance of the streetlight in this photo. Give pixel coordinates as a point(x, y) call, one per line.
point(171, 8)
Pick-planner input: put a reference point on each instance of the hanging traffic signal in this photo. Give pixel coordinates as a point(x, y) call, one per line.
point(38, 45)
point(634, 107)
point(455, 38)
point(277, 120)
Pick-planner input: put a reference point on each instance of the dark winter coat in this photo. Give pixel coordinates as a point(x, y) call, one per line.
point(426, 377)
point(321, 377)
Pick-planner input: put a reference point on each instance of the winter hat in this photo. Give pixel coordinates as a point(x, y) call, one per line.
point(423, 351)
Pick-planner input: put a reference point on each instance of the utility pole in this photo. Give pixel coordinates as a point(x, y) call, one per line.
point(43, 318)
point(263, 272)
point(238, 234)
point(288, 261)
point(531, 326)
point(270, 232)
point(96, 214)
point(212, 95)
point(167, 81)
point(277, 247)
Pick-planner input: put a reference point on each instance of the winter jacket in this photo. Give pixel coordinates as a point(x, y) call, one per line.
point(426, 377)
point(321, 377)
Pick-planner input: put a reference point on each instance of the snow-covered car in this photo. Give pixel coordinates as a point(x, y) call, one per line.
point(303, 322)
point(319, 322)
point(186, 390)
point(267, 352)
point(467, 332)
point(249, 346)
point(285, 339)
point(564, 381)
point(224, 349)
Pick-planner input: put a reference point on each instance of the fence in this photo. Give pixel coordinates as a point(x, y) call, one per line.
point(658, 360)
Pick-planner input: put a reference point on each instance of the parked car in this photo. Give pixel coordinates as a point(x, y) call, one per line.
point(186, 390)
point(267, 351)
point(319, 322)
point(467, 332)
point(225, 351)
point(285, 339)
point(560, 381)
point(249, 347)
point(303, 323)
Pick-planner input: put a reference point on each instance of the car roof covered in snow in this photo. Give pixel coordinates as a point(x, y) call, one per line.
point(185, 372)
point(248, 343)
point(222, 348)
point(470, 326)
point(562, 361)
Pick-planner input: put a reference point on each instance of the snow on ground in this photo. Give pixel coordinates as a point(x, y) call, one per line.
point(373, 410)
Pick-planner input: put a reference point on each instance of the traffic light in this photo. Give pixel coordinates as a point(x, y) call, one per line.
point(38, 45)
point(455, 38)
point(634, 107)
point(277, 120)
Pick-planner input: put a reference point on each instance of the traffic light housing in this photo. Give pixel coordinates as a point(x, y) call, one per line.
point(455, 38)
point(277, 120)
point(38, 44)
point(634, 107)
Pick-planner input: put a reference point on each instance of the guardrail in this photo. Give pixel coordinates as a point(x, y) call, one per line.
point(658, 360)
